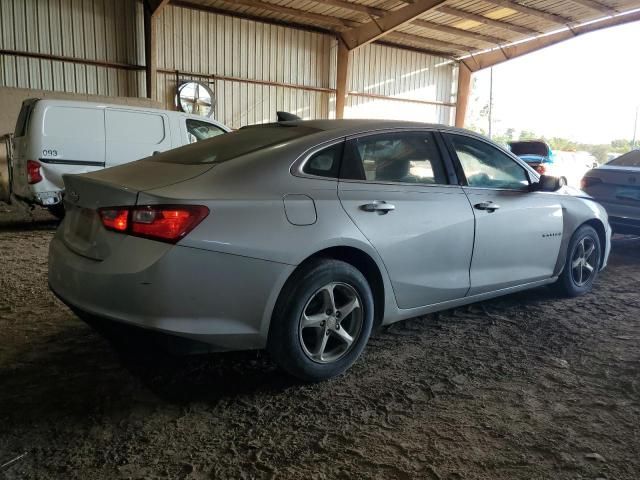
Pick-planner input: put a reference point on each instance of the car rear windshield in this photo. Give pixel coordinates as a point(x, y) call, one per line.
point(631, 159)
point(236, 144)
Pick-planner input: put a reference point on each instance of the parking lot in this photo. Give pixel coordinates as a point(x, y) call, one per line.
point(522, 387)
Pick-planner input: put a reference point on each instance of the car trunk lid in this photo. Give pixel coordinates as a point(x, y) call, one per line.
point(82, 229)
point(616, 184)
point(530, 147)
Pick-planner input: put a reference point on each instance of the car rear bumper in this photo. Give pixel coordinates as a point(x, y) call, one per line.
point(219, 299)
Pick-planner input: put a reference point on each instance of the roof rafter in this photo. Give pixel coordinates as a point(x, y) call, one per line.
point(488, 21)
point(429, 42)
point(532, 12)
point(155, 6)
point(334, 24)
point(499, 55)
point(354, 7)
point(378, 28)
point(458, 32)
point(313, 17)
point(379, 12)
point(598, 7)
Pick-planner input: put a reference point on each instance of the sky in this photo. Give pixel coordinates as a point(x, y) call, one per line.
point(586, 89)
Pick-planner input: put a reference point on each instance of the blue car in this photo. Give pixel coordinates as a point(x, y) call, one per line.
point(536, 153)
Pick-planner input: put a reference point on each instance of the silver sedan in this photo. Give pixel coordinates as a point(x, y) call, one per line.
point(302, 236)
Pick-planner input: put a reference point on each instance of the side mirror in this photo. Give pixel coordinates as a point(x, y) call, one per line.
point(547, 183)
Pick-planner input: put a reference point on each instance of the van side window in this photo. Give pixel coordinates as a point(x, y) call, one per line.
point(197, 130)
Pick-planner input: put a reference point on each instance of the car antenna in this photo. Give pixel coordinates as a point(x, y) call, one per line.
point(286, 117)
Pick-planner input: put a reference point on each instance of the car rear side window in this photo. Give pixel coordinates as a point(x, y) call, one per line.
point(236, 144)
point(325, 163)
point(405, 157)
point(199, 130)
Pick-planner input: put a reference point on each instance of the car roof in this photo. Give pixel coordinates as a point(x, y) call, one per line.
point(344, 127)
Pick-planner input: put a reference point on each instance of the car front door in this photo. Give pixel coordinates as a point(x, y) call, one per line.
point(518, 232)
point(395, 188)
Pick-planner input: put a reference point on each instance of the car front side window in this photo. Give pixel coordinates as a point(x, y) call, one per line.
point(405, 157)
point(485, 166)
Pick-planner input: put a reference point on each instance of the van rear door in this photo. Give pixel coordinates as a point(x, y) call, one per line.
point(132, 135)
point(62, 139)
point(18, 168)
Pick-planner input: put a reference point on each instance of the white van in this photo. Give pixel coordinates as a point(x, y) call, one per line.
point(56, 137)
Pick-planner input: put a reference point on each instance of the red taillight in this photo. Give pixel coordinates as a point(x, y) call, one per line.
point(167, 223)
point(33, 172)
point(115, 218)
point(541, 169)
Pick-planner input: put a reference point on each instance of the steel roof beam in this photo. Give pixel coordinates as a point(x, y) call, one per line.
point(377, 28)
point(598, 7)
point(502, 54)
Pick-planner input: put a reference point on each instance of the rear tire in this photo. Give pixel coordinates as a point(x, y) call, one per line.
point(582, 263)
point(322, 320)
point(57, 210)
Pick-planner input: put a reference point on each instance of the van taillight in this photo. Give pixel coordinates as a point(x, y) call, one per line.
point(541, 169)
point(33, 172)
point(167, 223)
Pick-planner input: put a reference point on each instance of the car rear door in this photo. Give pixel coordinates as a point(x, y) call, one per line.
point(395, 187)
point(132, 135)
point(518, 232)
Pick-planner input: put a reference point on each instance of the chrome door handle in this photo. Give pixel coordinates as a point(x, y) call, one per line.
point(488, 206)
point(380, 207)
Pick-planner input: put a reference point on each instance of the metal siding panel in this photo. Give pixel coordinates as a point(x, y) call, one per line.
point(388, 71)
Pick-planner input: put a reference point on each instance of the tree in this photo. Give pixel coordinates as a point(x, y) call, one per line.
point(527, 135)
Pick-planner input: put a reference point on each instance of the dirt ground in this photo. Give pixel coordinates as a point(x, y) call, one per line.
point(527, 386)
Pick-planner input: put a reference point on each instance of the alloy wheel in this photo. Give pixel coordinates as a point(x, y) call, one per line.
point(331, 322)
point(583, 261)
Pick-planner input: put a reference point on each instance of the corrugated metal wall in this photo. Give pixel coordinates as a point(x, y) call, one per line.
point(109, 31)
point(394, 72)
point(203, 43)
point(254, 68)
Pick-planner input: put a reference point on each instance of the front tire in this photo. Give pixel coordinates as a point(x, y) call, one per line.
point(582, 263)
point(322, 320)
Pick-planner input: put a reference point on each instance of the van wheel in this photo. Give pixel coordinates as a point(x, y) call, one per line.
point(322, 320)
point(582, 263)
point(57, 210)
